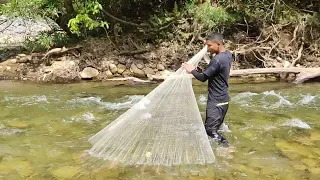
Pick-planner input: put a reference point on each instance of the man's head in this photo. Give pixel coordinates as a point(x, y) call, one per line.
point(215, 42)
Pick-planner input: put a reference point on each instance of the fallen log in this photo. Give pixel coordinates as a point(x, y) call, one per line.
point(302, 74)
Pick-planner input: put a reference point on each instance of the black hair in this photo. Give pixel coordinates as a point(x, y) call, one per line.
point(215, 37)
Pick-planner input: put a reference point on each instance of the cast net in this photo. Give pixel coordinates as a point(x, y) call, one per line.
point(163, 128)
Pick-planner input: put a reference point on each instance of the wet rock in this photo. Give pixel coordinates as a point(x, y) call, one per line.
point(113, 68)
point(315, 136)
point(310, 162)
point(314, 170)
point(294, 151)
point(299, 166)
point(65, 172)
point(89, 73)
point(137, 72)
point(18, 124)
point(160, 67)
point(121, 68)
point(23, 168)
point(109, 74)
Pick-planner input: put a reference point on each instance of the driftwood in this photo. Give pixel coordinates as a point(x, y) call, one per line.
point(133, 80)
point(302, 74)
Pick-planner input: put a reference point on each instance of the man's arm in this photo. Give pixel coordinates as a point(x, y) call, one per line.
point(200, 76)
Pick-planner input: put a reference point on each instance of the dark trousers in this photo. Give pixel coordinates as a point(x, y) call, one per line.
point(214, 118)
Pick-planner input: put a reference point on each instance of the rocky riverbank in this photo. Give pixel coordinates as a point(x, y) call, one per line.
point(93, 60)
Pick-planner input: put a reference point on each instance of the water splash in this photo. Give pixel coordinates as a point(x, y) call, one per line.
point(202, 99)
point(89, 101)
point(296, 123)
point(282, 100)
point(26, 100)
point(9, 132)
point(307, 99)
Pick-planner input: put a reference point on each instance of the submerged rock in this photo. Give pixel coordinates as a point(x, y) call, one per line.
point(23, 168)
point(66, 172)
point(310, 162)
point(315, 136)
point(314, 170)
point(18, 124)
point(294, 151)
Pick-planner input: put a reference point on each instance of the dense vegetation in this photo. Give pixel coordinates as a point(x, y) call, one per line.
point(276, 24)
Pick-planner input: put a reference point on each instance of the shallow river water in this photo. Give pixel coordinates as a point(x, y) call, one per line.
point(273, 127)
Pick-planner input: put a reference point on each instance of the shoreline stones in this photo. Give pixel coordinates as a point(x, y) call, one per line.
point(89, 73)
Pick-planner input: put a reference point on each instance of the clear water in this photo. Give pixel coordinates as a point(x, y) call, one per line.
point(44, 129)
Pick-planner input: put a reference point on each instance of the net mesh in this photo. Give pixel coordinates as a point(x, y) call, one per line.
point(163, 128)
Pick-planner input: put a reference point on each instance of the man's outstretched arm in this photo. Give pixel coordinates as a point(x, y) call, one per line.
point(200, 76)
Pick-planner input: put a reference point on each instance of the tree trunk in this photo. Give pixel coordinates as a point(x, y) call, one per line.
point(69, 6)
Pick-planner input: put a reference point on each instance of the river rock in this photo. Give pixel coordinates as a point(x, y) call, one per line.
point(148, 71)
point(160, 67)
point(17, 29)
point(315, 136)
point(109, 74)
point(294, 151)
point(113, 68)
point(18, 124)
point(89, 73)
point(314, 170)
point(137, 72)
point(61, 71)
point(66, 172)
point(121, 68)
point(140, 65)
point(105, 64)
point(310, 163)
point(127, 73)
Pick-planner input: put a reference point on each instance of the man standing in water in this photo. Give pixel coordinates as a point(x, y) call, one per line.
point(217, 75)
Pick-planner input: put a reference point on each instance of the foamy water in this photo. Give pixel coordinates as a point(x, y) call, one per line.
point(127, 102)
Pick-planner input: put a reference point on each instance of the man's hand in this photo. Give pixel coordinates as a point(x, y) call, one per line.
point(188, 67)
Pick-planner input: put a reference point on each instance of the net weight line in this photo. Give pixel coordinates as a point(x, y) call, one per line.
point(163, 128)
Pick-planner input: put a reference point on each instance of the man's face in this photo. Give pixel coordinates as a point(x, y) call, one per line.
point(213, 46)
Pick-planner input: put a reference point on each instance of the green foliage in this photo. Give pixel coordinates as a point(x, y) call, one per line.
point(85, 19)
point(211, 17)
point(32, 8)
point(46, 41)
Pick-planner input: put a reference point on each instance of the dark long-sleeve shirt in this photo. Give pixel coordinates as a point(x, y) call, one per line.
point(217, 74)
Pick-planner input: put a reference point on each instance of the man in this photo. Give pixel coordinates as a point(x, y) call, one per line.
point(217, 75)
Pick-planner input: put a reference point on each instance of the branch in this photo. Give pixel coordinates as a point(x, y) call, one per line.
point(122, 21)
point(294, 35)
point(299, 55)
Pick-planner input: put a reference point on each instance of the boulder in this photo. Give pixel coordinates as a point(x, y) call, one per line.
point(137, 72)
point(160, 67)
point(89, 73)
point(59, 71)
point(127, 73)
point(109, 74)
point(148, 71)
point(121, 68)
point(17, 29)
point(113, 68)
point(140, 65)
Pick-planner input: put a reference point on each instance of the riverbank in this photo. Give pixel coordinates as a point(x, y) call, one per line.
point(98, 59)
